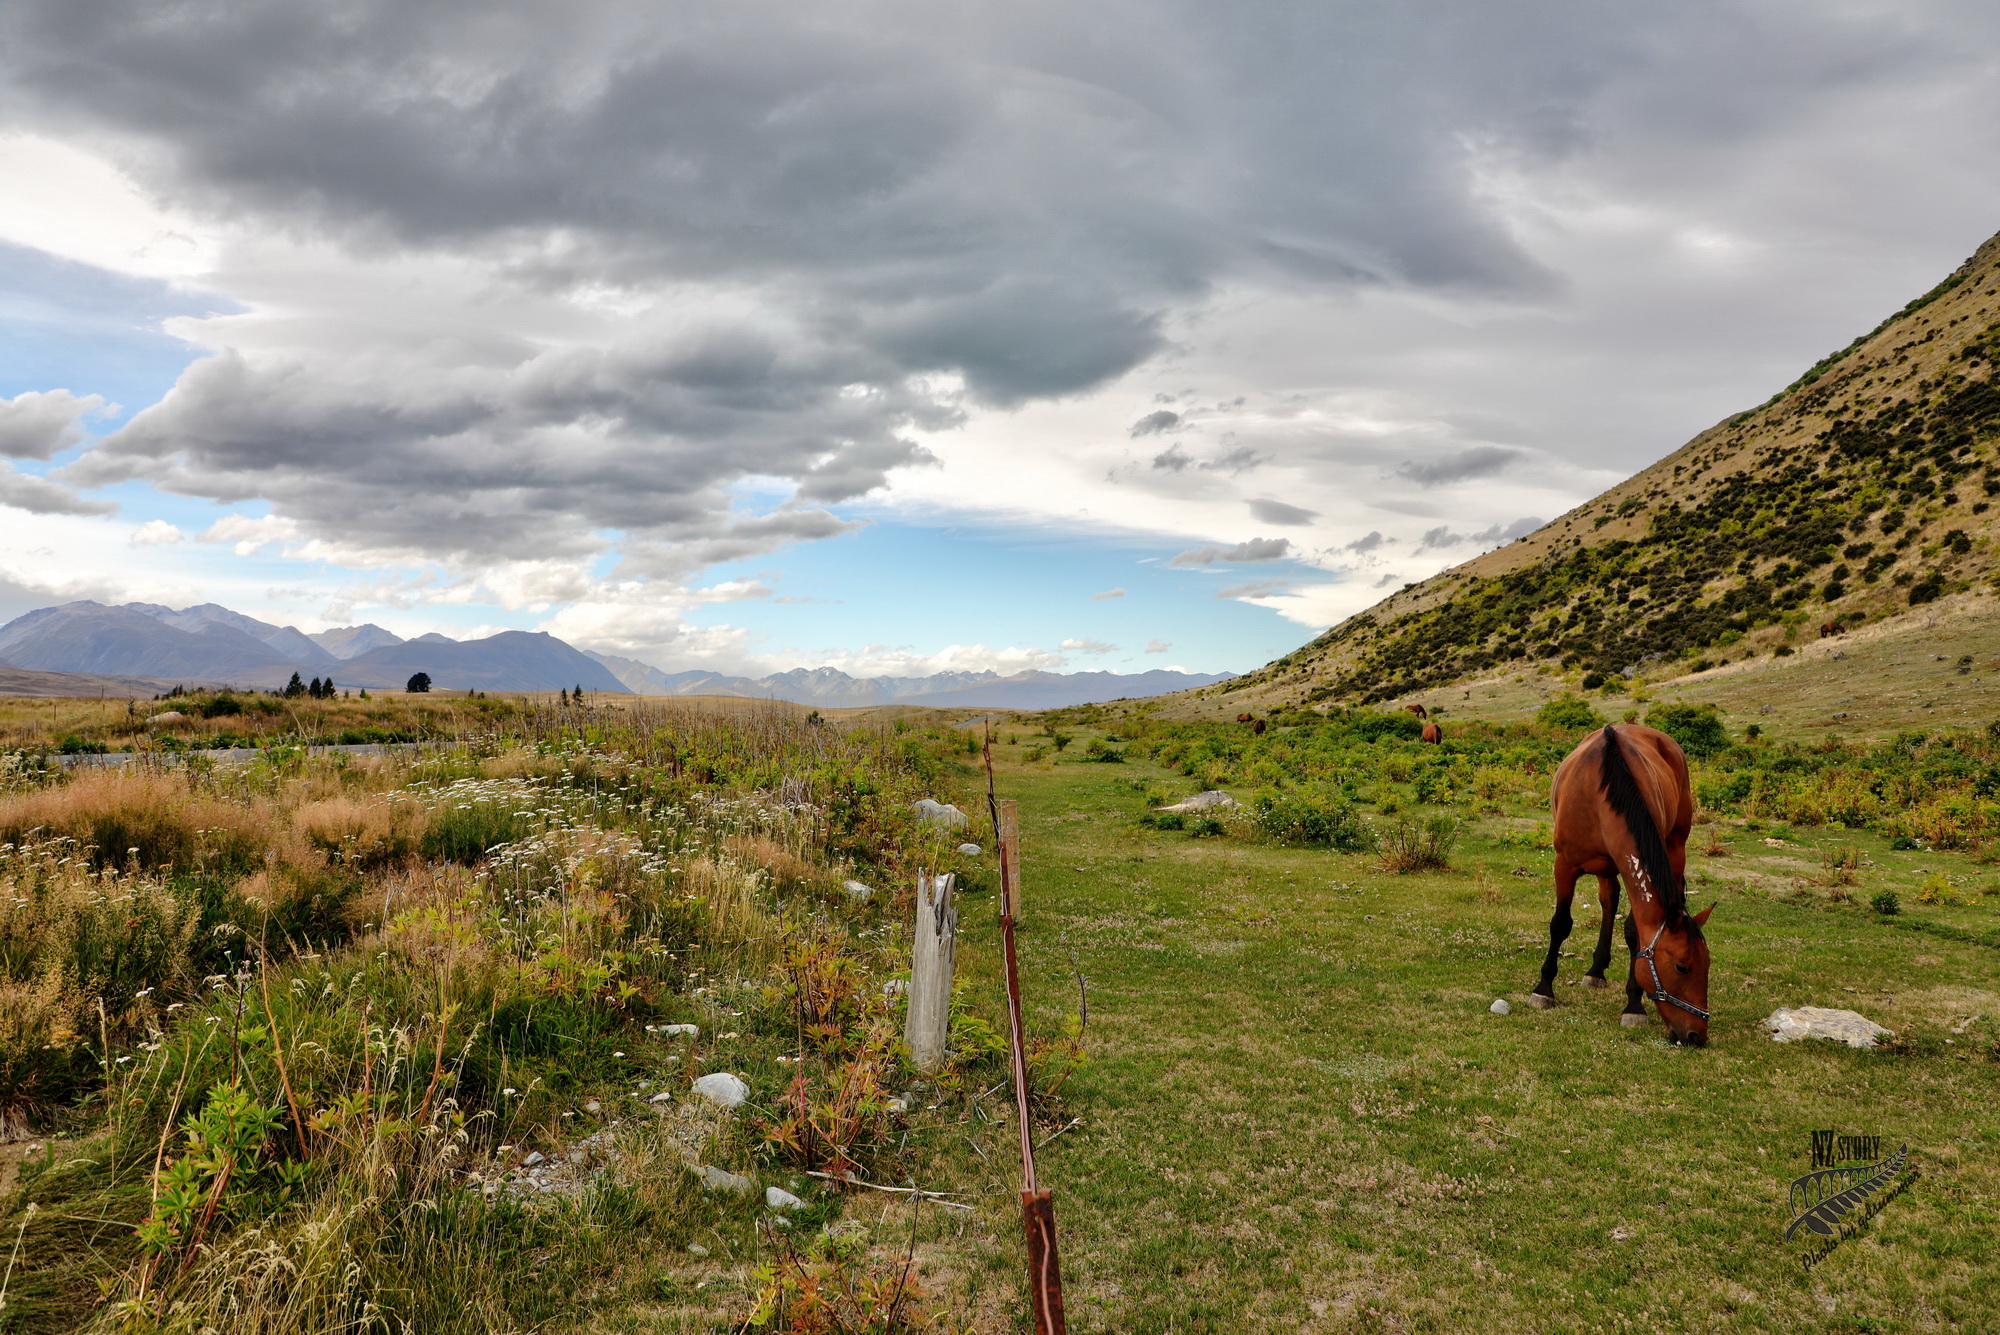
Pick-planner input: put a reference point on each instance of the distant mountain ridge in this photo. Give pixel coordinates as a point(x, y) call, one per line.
point(834, 689)
point(209, 643)
point(142, 643)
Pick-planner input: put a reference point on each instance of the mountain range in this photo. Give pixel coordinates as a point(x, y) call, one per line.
point(213, 645)
point(1861, 491)
point(834, 689)
point(146, 644)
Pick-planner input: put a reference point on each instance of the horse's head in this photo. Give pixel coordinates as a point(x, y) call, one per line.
point(1681, 957)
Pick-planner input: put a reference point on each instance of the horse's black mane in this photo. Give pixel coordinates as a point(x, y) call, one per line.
point(1622, 792)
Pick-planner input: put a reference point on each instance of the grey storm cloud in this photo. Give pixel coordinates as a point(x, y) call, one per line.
point(1257, 549)
point(36, 425)
point(1153, 423)
point(853, 222)
point(1441, 537)
point(1367, 543)
point(40, 496)
point(1476, 462)
point(1277, 512)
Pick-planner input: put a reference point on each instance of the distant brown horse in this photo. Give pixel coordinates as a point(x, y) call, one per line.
point(1418, 710)
point(1433, 733)
point(1242, 718)
point(1827, 628)
point(1622, 809)
point(1258, 727)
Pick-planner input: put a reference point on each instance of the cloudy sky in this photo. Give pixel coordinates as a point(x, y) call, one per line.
point(906, 336)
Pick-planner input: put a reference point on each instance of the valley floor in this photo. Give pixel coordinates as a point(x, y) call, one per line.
point(1301, 1116)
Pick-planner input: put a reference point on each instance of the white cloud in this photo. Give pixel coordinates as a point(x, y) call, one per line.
point(1157, 646)
point(156, 533)
point(1108, 593)
point(1085, 645)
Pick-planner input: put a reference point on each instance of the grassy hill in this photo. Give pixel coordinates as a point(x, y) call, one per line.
point(1861, 491)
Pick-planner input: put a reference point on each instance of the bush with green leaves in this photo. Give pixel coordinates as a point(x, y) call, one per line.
point(1698, 728)
point(1568, 711)
point(1316, 818)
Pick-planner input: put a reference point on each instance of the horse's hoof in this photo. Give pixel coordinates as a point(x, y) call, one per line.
point(1540, 1002)
point(1634, 1021)
point(1592, 980)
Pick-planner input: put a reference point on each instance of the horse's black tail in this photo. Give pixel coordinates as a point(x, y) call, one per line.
point(1621, 790)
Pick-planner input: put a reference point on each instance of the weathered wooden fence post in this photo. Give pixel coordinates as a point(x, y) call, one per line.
point(928, 1026)
point(1007, 843)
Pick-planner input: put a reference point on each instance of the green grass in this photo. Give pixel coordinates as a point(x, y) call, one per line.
point(1301, 1116)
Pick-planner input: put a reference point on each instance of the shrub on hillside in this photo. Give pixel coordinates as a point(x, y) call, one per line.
point(1317, 819)
point(1568, 711)
point(1698, 728)
point(1419, 845)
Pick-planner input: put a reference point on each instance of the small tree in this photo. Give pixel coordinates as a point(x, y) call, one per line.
point(1698, 728)
point(419, 683)
point(294, 688)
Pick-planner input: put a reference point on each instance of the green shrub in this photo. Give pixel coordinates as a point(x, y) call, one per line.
point(1318, 819)
point(1885, 903)
point(1419, 845)
point(1568, 711)
point(1698, 728)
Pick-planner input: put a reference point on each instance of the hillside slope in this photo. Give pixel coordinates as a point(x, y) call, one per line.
point(1860, 491)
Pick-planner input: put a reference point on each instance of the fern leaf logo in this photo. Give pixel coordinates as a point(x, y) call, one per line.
point(1819, 1201)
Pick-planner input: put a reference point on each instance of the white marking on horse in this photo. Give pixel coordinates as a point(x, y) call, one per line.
point(1643, 886)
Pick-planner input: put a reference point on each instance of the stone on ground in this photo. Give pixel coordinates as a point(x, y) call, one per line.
point(857, 892)
point(1802, 1022)
point(777, 1198)
point(970, 850)
point(722, 1089)
point(1212, 800)
point(721, 1179)
point(1500, 1007)
point(940, 813)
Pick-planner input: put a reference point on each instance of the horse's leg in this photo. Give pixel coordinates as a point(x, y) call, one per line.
point(1544, 994)
point(1600, 959)
point(1635, 1004)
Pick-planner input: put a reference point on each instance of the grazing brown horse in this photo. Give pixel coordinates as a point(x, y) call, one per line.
point(1622, 809)
point(1827, 628)
point(1418, 710)
point(1433, 733)
point(1242, 718)
point(1258, 727)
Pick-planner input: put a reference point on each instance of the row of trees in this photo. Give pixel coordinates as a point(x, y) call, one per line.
point(313, 690)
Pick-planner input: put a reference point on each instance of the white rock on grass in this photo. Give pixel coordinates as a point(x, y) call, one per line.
point(940, 813)
point(777, 1198)
point(662, 1097)
point(970, 850)
point(1500, 1006)
point(1803, 1022)
point(722, 1089)
point(857, 891)
point(721, 1179)
point(676, 1030)
point(1212, 800)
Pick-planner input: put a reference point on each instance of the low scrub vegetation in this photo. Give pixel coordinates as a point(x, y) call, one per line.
point(288, 1034)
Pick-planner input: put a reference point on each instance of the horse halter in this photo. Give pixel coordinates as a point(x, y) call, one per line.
point(1659, 993)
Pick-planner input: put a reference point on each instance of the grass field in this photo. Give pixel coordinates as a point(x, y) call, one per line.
point(1301, 1116)
point(428, 971)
